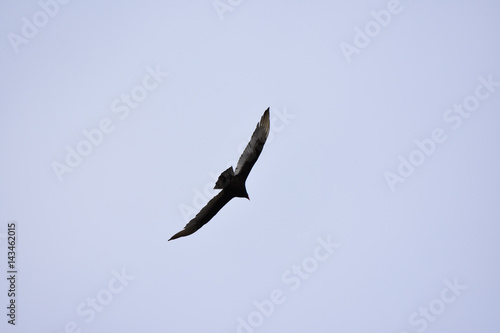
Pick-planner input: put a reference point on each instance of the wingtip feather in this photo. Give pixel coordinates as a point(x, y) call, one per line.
point(265, 122)
point(181, 233)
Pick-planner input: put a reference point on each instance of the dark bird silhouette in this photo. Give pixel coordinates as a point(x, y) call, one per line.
point(232, 183)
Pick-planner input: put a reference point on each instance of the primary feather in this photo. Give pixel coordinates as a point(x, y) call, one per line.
point(254, 147)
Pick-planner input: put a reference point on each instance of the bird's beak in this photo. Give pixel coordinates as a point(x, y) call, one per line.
point(248, 197)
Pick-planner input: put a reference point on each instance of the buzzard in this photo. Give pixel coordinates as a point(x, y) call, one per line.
point(232, 183)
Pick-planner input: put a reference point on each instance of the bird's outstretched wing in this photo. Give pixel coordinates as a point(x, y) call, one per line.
point(205, 215)
point(254, 147)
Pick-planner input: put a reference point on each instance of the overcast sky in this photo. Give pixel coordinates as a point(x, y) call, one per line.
point(374, 204)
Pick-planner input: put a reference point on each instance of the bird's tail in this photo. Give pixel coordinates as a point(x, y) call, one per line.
point(224, 178)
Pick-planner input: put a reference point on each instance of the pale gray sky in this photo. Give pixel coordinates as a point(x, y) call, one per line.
point(373, 204)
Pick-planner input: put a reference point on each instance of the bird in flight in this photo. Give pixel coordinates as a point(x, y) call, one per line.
point(232, 183)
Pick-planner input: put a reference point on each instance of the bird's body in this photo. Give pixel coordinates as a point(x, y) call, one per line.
point(231, 183)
